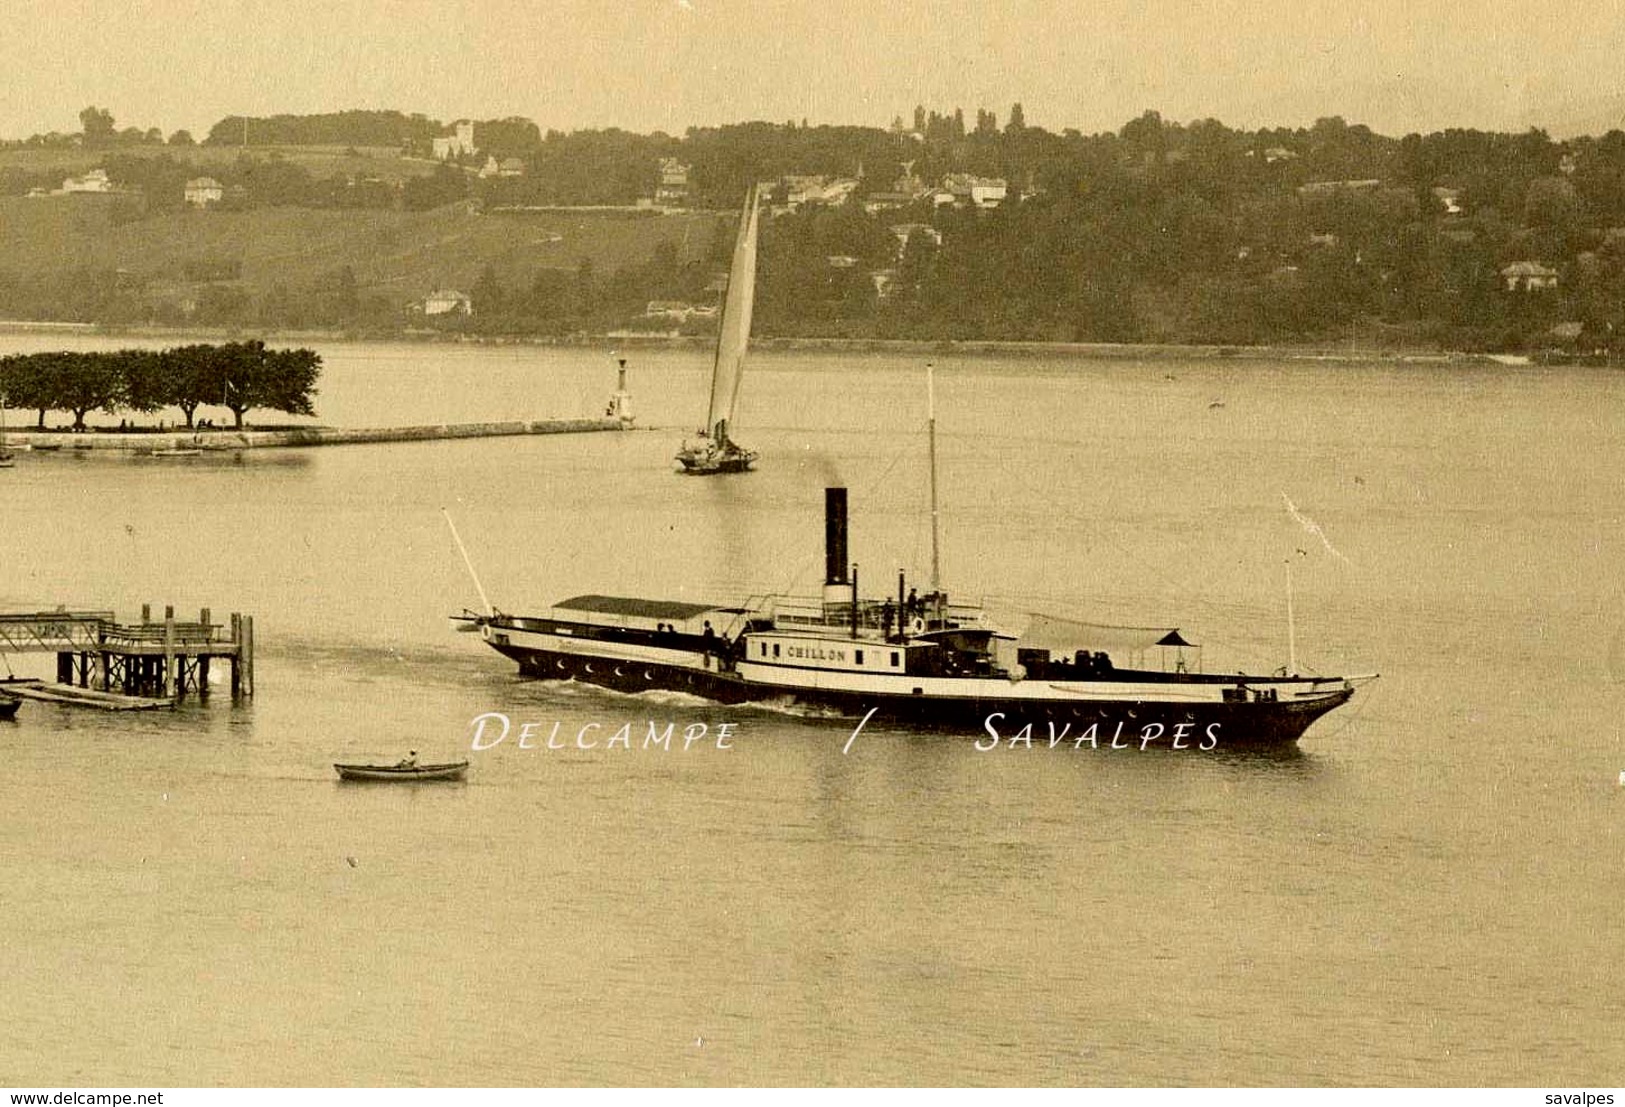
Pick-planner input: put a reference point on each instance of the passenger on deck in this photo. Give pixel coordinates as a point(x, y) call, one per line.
point(710, 637)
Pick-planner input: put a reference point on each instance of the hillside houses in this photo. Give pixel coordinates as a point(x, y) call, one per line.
point(1449, 199)
point(964, 190)
point(95, 181)
point(1528, 276)
point(799, 189)
point(507, 167)
point(672, 192)
point(460, 143)
point(679, 311)
point(200, 192)
point(444, 301)
point(909, 232)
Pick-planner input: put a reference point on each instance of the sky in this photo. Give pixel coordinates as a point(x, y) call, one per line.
point(645, 65)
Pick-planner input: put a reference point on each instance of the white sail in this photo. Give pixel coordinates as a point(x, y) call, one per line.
point(734, 334)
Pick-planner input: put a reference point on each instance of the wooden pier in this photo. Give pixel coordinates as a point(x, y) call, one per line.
point(151, 660)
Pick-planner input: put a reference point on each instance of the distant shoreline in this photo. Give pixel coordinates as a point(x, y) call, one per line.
point(943, 347)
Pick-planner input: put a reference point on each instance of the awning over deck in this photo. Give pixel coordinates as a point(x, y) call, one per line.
point(669, 610)
point(1066, 636)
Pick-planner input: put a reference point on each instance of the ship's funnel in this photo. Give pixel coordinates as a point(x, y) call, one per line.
point(835, 536)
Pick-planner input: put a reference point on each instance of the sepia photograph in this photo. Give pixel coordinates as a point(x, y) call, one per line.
point(738, 544)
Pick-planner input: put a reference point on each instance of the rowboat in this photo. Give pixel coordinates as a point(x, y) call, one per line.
point(449, 770)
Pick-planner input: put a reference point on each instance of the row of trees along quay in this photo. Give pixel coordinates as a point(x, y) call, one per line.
point(237, 376)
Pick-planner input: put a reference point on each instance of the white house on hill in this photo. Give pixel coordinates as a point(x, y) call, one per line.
point(456, 144)
point(94, 181)
point(1528, 276)
point(448, 301)
point(203, 191)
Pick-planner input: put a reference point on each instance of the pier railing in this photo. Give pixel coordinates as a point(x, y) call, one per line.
point(51, 631)
point(166, 657)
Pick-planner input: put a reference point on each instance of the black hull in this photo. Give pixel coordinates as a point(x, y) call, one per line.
point(993, 720)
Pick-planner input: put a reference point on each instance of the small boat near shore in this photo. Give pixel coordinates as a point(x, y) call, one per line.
point(374, 774)
point(9, 706)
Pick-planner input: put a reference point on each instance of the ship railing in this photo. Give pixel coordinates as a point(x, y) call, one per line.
point(790, 614)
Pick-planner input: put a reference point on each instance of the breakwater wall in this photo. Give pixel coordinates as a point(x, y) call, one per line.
point(249, 439)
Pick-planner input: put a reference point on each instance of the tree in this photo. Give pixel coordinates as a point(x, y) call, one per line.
point(146, 378)
point(1147, 136)
point(87, 381)
point(98, 125)
point(186, 377)
point(252, 376)
point(182, 138)
point(446, 185)
point(25, 382)
point(490, 297)
point(1018, 121)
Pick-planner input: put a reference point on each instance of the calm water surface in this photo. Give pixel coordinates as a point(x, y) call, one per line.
point(1423, 894)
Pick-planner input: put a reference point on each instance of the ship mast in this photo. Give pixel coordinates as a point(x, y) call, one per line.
point(1291, 626)
point(931, 439)
point(490, 611)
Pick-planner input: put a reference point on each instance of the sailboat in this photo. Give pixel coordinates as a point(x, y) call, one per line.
point(712, 450)
point(916, 659)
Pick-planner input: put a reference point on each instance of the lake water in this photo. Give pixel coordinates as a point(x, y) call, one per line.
point(1426, 893)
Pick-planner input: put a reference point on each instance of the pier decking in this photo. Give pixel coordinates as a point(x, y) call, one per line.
point(80, 697)
point(151, 660)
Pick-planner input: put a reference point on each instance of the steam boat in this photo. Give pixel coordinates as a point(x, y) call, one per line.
point(918, 660)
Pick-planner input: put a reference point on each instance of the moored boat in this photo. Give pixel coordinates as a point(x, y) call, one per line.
point(9, 706)
point(449, 770)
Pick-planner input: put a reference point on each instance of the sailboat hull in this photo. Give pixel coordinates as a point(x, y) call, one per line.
point(700, 464)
